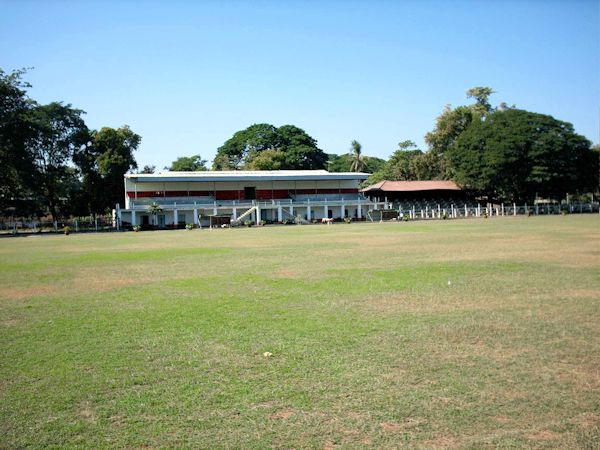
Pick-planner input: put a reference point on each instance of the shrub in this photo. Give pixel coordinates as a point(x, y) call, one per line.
point(137, 228)
point(445, 216)
point(263, 223)
point(406, 218)
point(67, 230)
point(347, 219)
point(248, 223)
point(189, 226)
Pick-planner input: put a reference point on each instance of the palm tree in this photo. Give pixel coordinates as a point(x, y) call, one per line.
point(357, 160)
point(154, 210)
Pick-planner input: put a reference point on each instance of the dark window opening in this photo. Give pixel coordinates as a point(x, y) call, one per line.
point(250, 193)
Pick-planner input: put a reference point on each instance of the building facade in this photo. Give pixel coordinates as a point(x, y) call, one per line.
point(273, 196)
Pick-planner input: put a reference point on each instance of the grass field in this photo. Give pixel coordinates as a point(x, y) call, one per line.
point(466, 333)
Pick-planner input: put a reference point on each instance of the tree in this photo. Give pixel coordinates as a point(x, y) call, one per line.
point(59, 132)
point(148, 169)
point(357, 161)
point(516, 155)
point(402, 165)
point(481, 94)
point(288, 146)
point(449, 126)
point(154, 209)
point(16, 129)
point(114, 148)
point(343, 163)
point(193, 163)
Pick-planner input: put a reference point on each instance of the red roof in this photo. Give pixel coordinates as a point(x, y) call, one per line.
point(412, 186)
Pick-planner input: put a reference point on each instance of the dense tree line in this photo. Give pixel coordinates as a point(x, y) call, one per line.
point(51, 162)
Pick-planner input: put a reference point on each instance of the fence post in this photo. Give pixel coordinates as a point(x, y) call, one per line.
point(76, 226)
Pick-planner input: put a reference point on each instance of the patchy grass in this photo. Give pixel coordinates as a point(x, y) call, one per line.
point(471, 333)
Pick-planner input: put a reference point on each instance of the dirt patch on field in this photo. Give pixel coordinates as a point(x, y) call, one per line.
point(441, 442)
point(282, 415)
point(401, 427)
point(543, 435)
point(288, 274)
point(86, 412)
point(28, 292)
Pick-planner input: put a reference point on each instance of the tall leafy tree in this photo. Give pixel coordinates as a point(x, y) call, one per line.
point(16, 129)
point(448, 127)
point(114, 148)
point(287, 147)
point(59, 132)
point(188, 164)
point(515, 155)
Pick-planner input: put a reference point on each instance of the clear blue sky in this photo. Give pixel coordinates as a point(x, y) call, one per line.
point(187, 75)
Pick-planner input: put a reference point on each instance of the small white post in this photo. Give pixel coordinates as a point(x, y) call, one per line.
point(466, 211)
point(503, 209)
point(175, 215)
point(195, 215)
point(76, 226)
point(133, 217)
point(257, 215)
point(234, 213)
point(478, 210)
point(96, 223)
point(308, 212)
point(279, 213)
point(359, 210)
point(343, 210)
point(514, 209)
point(439, 215)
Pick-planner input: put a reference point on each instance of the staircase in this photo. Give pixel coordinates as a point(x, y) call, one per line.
point(246, 214)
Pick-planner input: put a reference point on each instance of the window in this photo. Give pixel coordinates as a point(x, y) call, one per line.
point(250, 193)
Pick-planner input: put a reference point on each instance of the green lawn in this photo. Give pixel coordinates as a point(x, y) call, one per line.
point(465, 333)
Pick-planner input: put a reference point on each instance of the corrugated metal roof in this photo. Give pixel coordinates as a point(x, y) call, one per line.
point(412, 186)
point(247, 175)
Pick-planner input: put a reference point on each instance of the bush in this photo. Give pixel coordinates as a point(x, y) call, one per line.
point(189, 226)
point(67, 230)
point(406, 218)
point(445, 216)
point(347, 219)
point(248, 223)
point(263, 223)
point(137, 228)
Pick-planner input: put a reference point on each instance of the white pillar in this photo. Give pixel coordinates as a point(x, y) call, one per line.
point(195, 216)
point(514, 209)
point(279, 214)
point(308, 213)
point(257, 212)
point(133, 218)
point(426, 212)
point(359, 211)
point(325, 211)
point(466, 211)
point(234, 213)
point(502, 208)
point(175, 217)
point(439, 211)
point(291, 210)
point(343, 210)
point(478, 210)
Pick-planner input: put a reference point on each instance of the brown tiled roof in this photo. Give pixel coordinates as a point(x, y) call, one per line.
point(412, 186)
